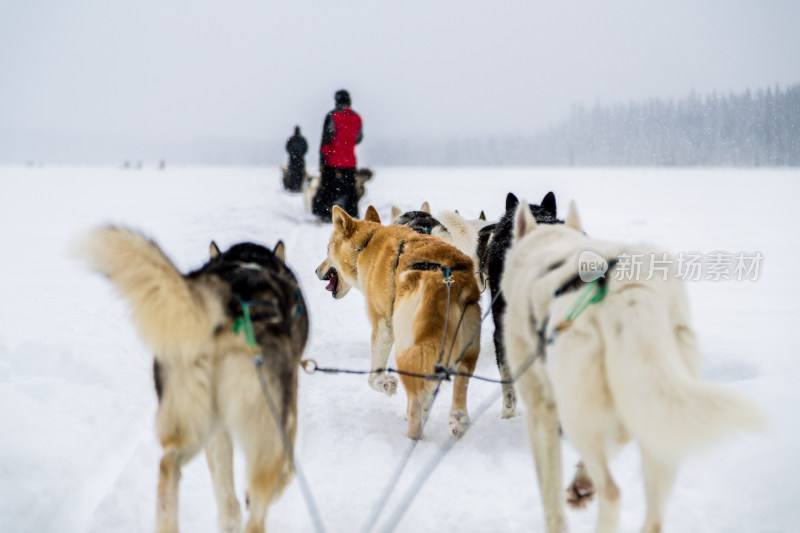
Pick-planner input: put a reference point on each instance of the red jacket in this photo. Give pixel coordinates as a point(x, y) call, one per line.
point(341, 132)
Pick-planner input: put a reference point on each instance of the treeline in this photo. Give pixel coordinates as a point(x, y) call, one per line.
point(761, 129)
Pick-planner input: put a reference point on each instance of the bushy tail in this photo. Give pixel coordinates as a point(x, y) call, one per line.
point(669, 411)
point(460, 234)
point(174, 316)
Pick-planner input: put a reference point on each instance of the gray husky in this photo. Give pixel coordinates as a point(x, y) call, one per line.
point(208, 386)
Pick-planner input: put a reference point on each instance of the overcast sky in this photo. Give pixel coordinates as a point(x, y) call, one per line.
point(177, 70)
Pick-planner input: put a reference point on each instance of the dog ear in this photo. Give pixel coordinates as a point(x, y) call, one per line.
point(213, 250)
point(573, 220)
point(372, 215)
point(396, 212)
point(280, 251)
point(549, 202)
point(426, 207)
point(524, 221)
point(342, 221)
point(482, 216)
point(511, 202)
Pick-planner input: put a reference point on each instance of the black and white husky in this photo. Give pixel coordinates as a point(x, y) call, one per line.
point(623, 368)
point(208, 387)
point(493, 242)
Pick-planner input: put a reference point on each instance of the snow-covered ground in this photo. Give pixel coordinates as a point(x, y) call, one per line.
point(77, 443)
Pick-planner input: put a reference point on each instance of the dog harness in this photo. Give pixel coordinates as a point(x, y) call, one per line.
point(576, 282)
point(436, 266)
point(595, 292)
point(424, 265)
point(261, 311)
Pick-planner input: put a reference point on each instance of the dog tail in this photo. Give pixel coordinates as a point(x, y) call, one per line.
point(461, 234)
point(175, 316)
point(665, 407)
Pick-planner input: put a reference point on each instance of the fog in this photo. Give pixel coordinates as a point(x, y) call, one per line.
point(99, 81)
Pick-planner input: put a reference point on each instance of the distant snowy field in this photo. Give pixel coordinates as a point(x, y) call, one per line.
point(78, 450)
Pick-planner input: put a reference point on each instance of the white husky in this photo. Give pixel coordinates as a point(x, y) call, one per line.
point(624, 368)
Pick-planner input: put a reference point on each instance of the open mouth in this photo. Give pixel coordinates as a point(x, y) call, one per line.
point(332, 278)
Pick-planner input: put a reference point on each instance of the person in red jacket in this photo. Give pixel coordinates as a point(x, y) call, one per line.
point(341, 132)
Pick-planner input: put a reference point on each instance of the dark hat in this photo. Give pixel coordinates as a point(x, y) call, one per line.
point(342, 97)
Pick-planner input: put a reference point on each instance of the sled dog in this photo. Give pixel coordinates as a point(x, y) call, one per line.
point(205, 378)
point(491, 268)
point(623, 368)
point(404, 277)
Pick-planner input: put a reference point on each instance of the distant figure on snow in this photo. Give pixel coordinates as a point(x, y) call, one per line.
point(296, 172)
point(341, 132)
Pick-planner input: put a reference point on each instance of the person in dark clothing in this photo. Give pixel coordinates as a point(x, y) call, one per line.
point(296, 172)
point(341, 132)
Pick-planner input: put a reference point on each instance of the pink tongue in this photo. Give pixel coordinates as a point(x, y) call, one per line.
point(331, 284)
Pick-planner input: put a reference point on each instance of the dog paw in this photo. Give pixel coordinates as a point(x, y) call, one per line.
point(508, 412)
point(385, 384)
point(230, 514)
point(509, 406)
point(414, 434)
point(230, 524)
point(459, 422)
point(581, 491)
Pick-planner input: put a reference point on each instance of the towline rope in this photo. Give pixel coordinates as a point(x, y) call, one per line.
point(594, 292)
